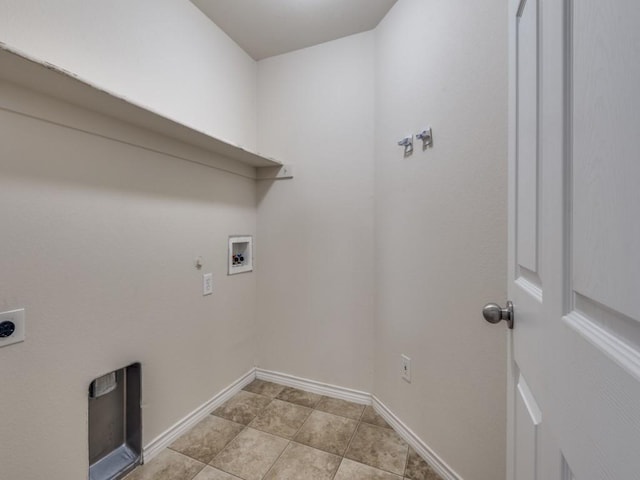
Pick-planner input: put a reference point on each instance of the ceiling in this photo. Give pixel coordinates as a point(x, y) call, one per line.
point(264, 28)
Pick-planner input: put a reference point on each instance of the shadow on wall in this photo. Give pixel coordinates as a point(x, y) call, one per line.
point(113, 166)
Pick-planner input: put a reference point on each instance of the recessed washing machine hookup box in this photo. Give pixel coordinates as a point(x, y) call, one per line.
point(240, 254)
point(115, 424)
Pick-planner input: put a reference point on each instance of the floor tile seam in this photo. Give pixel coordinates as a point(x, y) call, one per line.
point(396, 433)
point(322, 451)
point(339, 464)
point(244, 427)
point(406, 464)
point(374, 425)
point(343, 416)
point(225, 445)
point(300, 428)
point(388, 427)
point(204, 465)
point(227, 472)
point(260, 410)
point(401, 475)
point(263, 395)
point(275, 434)
point(353, 435)
point(299, 404)
point(317, 448)
point(253, 418)
point(223, 449)
point(318, 402)
point(276, 460)
point(301, 390)
point(373, 466)
point(394, 473)
point(356, 430)
point(223, 418)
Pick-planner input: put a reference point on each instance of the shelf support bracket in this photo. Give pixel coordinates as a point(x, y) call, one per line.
point(282, 172)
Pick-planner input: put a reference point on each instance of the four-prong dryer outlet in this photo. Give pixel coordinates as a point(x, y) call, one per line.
point(240, 254)
point(12, 327)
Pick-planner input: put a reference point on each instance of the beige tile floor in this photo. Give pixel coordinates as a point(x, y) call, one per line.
point(272, 432)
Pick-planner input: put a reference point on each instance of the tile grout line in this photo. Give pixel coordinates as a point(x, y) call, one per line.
point(406, 464)
point(244, 429)
point(253, 419)
point(298, 431)
point(291, 440)
point(281, 453)
point(349, 444)
point(288, 440)
point(380, 468)
point(204, 465)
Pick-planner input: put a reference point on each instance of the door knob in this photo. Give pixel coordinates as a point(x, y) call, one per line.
point(493, 313)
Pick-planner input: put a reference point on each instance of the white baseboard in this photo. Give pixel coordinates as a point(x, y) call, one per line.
point(312, 386)
point(167, 437)
point(421, 448)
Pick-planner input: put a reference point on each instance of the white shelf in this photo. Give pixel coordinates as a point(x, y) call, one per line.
point(16, 67)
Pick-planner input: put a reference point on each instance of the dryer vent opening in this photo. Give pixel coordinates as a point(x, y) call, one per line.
point(115, 424)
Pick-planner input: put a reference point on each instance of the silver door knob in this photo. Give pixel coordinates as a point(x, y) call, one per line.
point(494, 313)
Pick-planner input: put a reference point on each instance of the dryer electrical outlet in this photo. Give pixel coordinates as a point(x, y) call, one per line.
point(12, 327)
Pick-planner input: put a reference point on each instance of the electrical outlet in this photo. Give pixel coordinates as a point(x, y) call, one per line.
point(12, 327)
point(207, 284)
point(405, 368)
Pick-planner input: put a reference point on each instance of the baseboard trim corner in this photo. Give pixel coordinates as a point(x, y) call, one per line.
point(312, 386)
point(166, 438)
point(421, 448)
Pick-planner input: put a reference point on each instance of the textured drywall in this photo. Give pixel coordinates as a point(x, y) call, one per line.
point(99, 241)
point(440, 221)
point(99, 237)
point(315, 232)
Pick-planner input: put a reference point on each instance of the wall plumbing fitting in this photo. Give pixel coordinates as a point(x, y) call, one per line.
point(426, 137)
point(407, 143)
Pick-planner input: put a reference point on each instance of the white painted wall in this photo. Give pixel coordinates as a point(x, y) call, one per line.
point(99, 237)
point(315, 233)
point(441, 226)
point(164, 54)
point(98, 244)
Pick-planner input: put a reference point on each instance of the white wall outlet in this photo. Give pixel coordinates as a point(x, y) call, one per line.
point(207, 284)
point(12, 327)
point(405, 368)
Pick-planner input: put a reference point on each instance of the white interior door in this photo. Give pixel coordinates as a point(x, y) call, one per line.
point(574, 247)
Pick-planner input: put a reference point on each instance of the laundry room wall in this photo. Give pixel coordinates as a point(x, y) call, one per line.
point(315, 232)
point(440, 223)
point(100, 236)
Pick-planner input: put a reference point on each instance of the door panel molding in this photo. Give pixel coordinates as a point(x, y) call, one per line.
point(530, 402)
point(527, 421)
point(567, 474)
point(602, 262)
point(527, 162)
point(604, 170)
point(617, 350)
point(529, 282)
